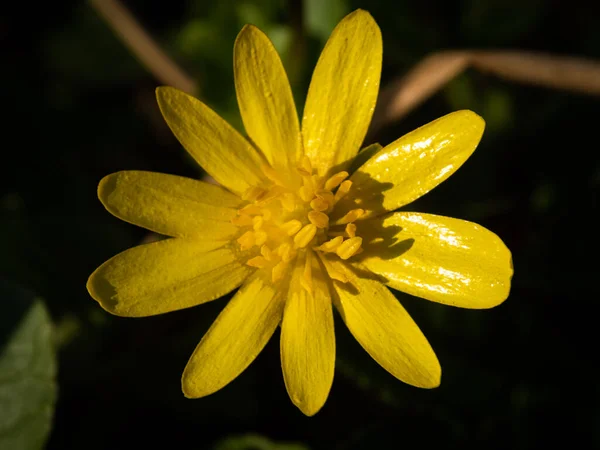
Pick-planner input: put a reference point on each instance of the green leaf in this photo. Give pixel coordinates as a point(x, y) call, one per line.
point(27, 370)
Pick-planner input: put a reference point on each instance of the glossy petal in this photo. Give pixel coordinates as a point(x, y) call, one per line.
point(170, 205)
point(342, 93)
point(265, 98)
point(308, 340)
point(414, 164)
point(166, 276)
point(235, 339)
point(386, 331)
point(212, 142)
point(445, 260)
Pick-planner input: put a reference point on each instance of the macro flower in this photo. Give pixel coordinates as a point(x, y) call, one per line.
point(301, 221)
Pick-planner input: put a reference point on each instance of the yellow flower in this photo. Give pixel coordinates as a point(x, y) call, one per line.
point(295, 230)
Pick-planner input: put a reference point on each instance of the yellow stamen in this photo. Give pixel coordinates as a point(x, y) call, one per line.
point(326, 195)
point(243, 220)
point(318, 219)
point(343, 190)
point(351, 216)
point(288, 201)
point(349, 247)
point(286, 252)
point(335, 180)
point(278, 271)
point(246, 240)
point(319, 204)
point(260, 237)
point(306, 193)
point(330, 245)
point(305, 235)
point(258, 262)
point(351, 230)
point(258, 222)
point(266, 213)
point(292, 227)
point(266, 252)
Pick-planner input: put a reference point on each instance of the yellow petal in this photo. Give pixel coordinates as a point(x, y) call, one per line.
point(166, 276)
point(235, 339)
point(212, 142)
point(386, 331)
point(441, 259)
point(414, 164)
point(265, 98)
point(307, 340)
point(342, 93)
point(170, 205)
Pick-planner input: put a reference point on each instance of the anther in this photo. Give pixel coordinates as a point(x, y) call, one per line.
point(246, 240)
point(243, 220)
point(258, 262)
point(349, 247)
point(330, 245)
point(335, 180)
point(343, 190)
point(351, 230)
point(305, 235)
point(318, 219)
point(291, 227)
point(319, 204)
point(351, 216)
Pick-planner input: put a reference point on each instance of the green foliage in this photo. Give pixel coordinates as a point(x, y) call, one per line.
point(27, 370)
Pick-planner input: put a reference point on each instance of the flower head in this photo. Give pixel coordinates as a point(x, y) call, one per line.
point(296, 229)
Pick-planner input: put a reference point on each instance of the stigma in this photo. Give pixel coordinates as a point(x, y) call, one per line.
point(290, 219)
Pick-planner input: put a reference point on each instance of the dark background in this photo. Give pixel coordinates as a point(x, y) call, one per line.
point(77, 106)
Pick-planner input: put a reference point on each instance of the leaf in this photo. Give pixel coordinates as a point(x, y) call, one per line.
point(27, 370)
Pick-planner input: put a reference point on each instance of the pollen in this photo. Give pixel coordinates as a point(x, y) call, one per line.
point(289, 218)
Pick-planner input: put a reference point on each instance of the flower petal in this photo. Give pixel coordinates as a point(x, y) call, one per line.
point(386, 331)
point(170, 205)
point(166, 276)
point(265, 98)
point(212, 142)
point(342, 93)
point(446, 260)
point(307, 339)
point(411, 166)
point(235, 339)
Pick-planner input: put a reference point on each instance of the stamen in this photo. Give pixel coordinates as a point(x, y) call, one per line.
point(243, 220)
point(260, 237)
point(251, 210)
point(306, 193)
point(351, 216)
point(330, 245)
point(258, 262)
point(246, 240)
point(351, 230)
point(305, 235)
point(258, 222)
point(292, 227)
point(335, 180)
point(266, 252)
point(318, 219)
point(286, 252)
point(288, 201)
point(278, 271)
point(343, 190)
point(349, 247)
point(319, 204)
point(326, 195)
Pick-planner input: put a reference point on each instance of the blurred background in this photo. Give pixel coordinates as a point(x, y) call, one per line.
point(79, 105)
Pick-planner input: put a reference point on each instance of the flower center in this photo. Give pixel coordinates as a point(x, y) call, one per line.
point(281, 222)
